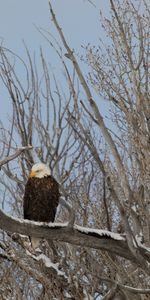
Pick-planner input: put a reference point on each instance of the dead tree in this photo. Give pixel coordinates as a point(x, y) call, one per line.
point(102, 165)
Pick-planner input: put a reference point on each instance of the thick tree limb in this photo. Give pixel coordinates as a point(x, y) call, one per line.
point(61, 232)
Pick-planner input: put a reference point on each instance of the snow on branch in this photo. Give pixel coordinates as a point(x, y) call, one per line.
point(47, 262)
point(76, 235)
point(100, 232)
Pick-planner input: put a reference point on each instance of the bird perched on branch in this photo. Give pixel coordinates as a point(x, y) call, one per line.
point(41, 197)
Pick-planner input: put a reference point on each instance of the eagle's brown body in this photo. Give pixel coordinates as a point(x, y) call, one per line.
point(41, 199)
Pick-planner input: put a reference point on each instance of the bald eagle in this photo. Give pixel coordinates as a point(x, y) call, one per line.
point(41, 197)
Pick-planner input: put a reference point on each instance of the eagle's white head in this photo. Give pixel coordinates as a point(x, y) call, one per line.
point(40, 170)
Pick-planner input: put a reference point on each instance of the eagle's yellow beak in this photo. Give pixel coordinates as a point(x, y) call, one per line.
point(32, 174)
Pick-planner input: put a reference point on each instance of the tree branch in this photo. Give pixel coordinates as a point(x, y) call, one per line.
point(126, 287)
point(13, 156)
point(77, 235)
point(99, 119)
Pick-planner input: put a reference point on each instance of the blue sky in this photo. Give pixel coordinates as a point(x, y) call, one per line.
point(78, 18)
point(18, 20)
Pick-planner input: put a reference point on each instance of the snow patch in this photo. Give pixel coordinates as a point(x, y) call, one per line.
point(57, 224)
point(134, 208)
point(25, 221)
point(47, 262)
point(100, 232)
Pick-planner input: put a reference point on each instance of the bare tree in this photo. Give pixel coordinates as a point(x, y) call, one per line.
point(102, 252)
